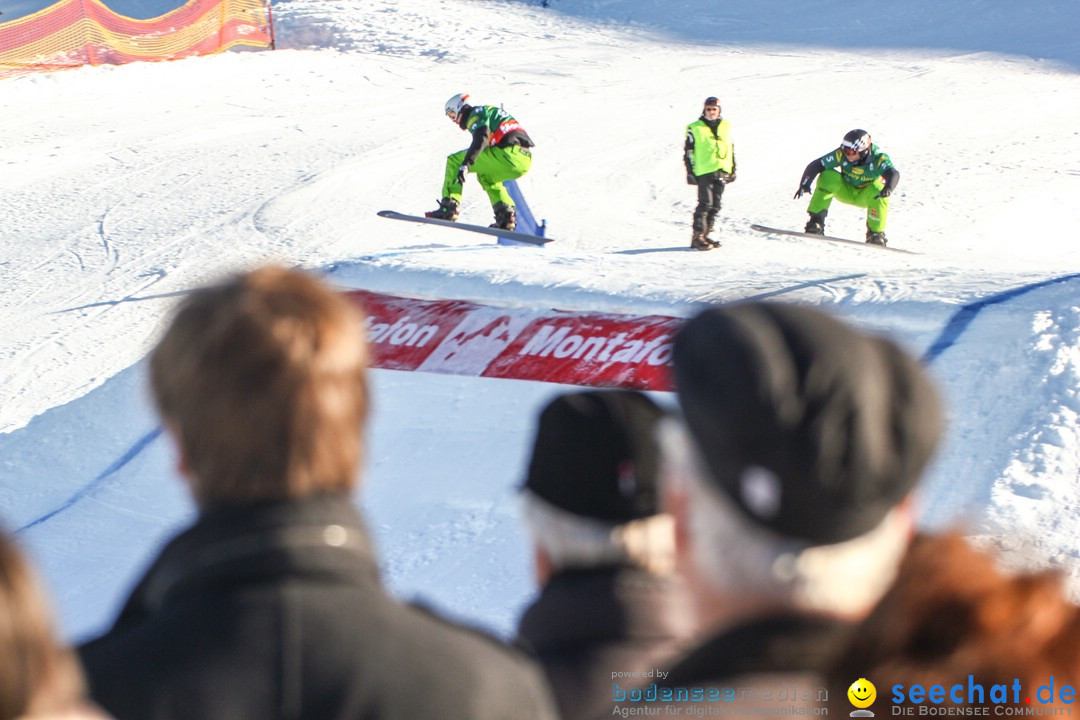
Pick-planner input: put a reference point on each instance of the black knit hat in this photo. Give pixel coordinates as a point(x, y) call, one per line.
point(595, 455)
point(711, 100)
point(814, 430)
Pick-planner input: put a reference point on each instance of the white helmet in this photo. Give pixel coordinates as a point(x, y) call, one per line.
point(453, 105)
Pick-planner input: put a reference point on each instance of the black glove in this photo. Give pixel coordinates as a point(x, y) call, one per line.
point(729, 177)
point(461, 174)
point(885, 192)
point(691, 179)
point(804, 187)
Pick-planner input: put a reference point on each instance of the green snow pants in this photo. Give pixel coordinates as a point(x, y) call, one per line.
point(831, 185)
point(493, 167)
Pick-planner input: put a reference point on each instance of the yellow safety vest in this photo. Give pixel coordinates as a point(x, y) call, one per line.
point(711, 152)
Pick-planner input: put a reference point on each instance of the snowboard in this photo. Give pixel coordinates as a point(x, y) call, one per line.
point(508, 234)
point(830, 238)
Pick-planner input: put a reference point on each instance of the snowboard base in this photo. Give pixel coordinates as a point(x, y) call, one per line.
point(829, 238)
point(495, 232)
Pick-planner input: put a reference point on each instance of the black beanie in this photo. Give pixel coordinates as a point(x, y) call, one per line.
point(815, 430)
point(596, 455)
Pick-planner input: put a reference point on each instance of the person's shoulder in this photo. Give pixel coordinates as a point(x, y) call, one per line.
point(470, 657)
point(832, 158)
point(475, 647)
point(467, 637)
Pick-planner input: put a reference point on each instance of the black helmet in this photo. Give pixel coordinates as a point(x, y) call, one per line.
point(856, 142)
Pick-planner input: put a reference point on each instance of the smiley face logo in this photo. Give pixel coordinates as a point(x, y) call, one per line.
point(862, 693)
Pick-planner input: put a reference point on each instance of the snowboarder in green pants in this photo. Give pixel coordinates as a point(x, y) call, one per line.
point(864, 177)
point(500, 151)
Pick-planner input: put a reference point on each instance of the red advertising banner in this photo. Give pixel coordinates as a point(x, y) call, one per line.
point(403, 332)
point(462, 338)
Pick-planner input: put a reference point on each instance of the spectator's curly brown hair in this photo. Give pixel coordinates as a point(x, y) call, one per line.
point(953, 613)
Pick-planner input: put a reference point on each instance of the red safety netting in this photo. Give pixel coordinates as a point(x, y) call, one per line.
point(85, 32)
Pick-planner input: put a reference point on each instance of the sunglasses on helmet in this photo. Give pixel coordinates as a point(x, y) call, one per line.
point(854, 146)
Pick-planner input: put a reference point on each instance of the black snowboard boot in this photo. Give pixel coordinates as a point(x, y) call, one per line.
point(875, 238)
point(710, 220)
point(699, 242)
point(505, 216)
point(816, 224)
point(447, 210)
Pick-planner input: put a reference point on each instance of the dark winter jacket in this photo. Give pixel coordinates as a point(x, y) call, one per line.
point(776, 660)
point(276, 611)
point(588, 624)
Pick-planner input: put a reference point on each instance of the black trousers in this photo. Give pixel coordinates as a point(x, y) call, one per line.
point(710, 190)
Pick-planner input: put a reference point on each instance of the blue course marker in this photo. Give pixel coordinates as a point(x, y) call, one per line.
point(963, 317)
point(123, 460)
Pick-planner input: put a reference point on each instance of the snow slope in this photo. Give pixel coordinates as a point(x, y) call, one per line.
point(125, 186)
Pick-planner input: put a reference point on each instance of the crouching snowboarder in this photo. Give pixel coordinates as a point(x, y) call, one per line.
point(864, 177)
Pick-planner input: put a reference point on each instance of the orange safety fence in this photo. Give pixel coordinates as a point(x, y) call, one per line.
point(71, 33)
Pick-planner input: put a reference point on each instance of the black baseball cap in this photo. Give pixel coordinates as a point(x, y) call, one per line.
point(596, 455)
point(815, 430)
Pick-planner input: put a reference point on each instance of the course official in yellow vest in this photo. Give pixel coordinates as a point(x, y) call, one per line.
point(709, 156)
